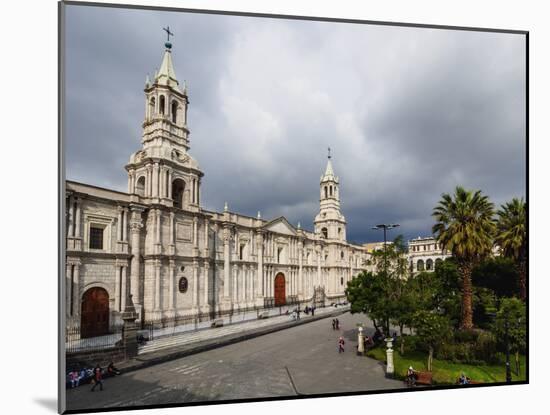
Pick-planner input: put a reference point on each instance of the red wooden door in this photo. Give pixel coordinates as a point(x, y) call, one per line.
point(280, 296)
point(94, 313)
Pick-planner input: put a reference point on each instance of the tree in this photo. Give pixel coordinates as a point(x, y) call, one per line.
point(511, 237)
point(465, 227)
point(498, 274)
point(433, 329)
point(367, 293)
point(512, 312)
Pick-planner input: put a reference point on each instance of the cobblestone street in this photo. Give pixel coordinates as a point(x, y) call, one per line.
point(300, 360)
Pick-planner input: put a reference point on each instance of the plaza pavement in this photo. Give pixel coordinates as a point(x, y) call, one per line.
point(301, 360)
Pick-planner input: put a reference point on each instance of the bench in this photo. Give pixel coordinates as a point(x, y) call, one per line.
point(263, 314)
point(470, 382)
point(217, 323)
point(424, 378)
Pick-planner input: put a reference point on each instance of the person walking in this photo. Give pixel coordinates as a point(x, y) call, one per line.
point(98, 378)
point(337, 324)
point(341, 343)
point(333, 324)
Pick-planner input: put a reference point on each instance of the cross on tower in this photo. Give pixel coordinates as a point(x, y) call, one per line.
point(329, 152)
point(168, 33)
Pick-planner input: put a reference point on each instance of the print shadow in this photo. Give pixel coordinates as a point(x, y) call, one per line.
point(126, 391)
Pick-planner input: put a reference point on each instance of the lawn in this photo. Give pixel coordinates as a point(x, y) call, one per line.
point(445, 372)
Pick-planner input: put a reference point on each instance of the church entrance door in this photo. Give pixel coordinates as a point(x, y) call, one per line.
point(94, 313)
point(280, 295)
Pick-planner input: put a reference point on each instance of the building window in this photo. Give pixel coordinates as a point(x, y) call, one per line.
point(324, 231)
point(279, 252)
point(161, 104)
point(341, 280)
point(342, 255)
point(330, 188)
point(241, 252)
point(174, 111)
point(429, 265)
point(420, 265)
point(326, 192)
point(96, 237)
point(140, 186)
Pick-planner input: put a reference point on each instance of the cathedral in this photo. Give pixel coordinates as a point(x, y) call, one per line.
point(156, 246)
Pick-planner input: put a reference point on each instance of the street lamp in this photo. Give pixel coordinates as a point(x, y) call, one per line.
point(386, 227)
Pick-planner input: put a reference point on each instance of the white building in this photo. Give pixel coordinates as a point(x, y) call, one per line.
point(180, 261)
point(425, 253)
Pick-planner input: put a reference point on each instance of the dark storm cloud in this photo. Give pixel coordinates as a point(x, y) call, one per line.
point(409, 113)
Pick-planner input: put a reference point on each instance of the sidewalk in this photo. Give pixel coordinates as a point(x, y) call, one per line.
point(184, 344)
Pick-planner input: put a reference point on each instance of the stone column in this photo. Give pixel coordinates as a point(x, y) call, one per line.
point(77, 221)
point(260, 275)
point(71, 217)
point(195, 284)
point(169, 184)
point(206, 227)
point(76, 289)
point(156, 180)
point(158, 223)
point(135, 230)
point(118, 277)
point(124, 287)
point(195, 233)
point(119, 225)
point(171, 284)
point(235, 285)
point(171, 238)
point(125, 225)
point(206, 303)
point(318, 282)
point(157, 285)
point(300, 267)
point(226, 261)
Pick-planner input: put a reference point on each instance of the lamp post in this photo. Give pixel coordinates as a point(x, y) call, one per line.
point(385, 227)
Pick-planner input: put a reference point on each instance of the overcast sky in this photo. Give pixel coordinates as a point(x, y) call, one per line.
point(409, 113)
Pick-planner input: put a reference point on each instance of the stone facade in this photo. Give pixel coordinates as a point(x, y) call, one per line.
point(424, 253)
point(178, 260)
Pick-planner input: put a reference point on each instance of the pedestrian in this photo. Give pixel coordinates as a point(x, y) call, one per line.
point(112, 370)
point(98, 378)
point(312, 311)
point(333, 324)
point(341, 343)
point(337, 325)
point(73, 377)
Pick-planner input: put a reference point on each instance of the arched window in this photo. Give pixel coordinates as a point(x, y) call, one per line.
point(420, 265)
point(174, 111)
point(342, 255)
point(161, 104)
point(324, 231)
point(167, 181)
point(429, 265)
point(279, 252)
point(330, 190)
point(178, 188)
point(140, 186)
point(151, 108)
point(326, 192)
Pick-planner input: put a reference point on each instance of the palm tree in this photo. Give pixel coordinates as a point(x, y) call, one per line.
point(512, 238)
point(465, 227)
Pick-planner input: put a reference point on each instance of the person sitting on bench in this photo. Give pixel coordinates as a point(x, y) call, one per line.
point(412, 376)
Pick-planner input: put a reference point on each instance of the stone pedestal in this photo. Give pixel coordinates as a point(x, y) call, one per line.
point(360, 342)
point(129, 333)
point(389, 358)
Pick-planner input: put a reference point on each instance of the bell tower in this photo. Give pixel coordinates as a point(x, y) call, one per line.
point(162, 171)
point(330, 223)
